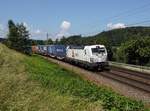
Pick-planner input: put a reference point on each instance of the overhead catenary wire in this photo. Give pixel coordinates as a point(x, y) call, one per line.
point(138, 23)
point(127, 25)
point(133, 14)
point(130, 12)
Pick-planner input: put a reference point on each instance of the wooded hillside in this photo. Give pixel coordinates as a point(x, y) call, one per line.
point(113, 37)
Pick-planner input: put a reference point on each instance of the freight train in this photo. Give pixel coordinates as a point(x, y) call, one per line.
point(90, 57)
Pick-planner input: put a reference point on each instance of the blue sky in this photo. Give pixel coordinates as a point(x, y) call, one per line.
point(67, 17)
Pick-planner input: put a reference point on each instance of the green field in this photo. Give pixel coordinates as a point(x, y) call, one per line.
point(34, 84)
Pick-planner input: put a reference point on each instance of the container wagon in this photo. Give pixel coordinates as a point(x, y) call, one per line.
point(56, 51)
point(42, 49)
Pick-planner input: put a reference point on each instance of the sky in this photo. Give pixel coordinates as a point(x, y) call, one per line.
point(68, 17)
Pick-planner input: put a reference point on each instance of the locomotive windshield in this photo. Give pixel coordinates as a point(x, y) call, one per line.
point(98, 50)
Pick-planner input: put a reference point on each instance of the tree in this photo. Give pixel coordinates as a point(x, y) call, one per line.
point(56, 41)
point(49, 41)
point(13, 35)
point(24, 41)
point(136, 51)
point(37, 42)
point(63, 40)
point(18, 37)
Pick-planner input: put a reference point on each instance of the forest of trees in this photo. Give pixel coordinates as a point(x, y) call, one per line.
point(18, 37)
point(42, 42)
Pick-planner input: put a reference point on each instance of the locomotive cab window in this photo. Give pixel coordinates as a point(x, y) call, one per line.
point(98, 50)
point(85, 52)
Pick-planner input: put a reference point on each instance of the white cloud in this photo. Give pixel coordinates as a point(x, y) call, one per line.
point(27, 26)
point(1, 27)
point(111, 26)
point(3, 31)
point(65, 26)
point(32, 30)
point(35, 32)
point(38, 32)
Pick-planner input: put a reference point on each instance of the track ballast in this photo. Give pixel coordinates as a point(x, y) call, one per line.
point(134, 79)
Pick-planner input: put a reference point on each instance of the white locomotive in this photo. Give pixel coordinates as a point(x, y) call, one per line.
point(93, 56)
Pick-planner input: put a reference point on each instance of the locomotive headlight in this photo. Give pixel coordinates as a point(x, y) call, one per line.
point(92, 60)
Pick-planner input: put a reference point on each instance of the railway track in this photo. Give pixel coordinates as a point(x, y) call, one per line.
point(142, 75)
point(131, 78)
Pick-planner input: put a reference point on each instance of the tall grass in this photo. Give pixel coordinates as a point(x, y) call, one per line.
point(52, 76)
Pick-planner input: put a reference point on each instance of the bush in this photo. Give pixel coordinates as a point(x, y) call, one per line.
point(135, 51)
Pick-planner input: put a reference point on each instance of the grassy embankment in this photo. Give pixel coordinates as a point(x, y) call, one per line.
point(32, 83)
